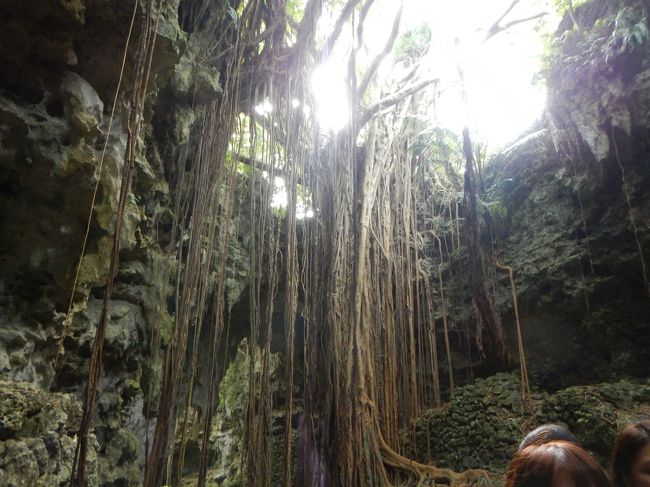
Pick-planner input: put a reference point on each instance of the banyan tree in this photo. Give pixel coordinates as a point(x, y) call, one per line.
point(348, 253)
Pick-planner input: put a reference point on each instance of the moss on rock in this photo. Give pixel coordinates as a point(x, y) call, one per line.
point(37, 439)
point(483, 424)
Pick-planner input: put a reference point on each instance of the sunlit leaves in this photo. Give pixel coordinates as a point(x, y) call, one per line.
point(412, 45)
point(295, 9)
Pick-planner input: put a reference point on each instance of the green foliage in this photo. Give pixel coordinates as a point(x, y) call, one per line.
point(243, 168)
point(295, 9)
point(439, 145)
point(492, 200)
point(412, 44)
point(440, 175)
point(238, 7)
point(441, 154)
point(494, 206)
point(562, 6)
point(629, 32)
point(439, 180)
point(578, 55)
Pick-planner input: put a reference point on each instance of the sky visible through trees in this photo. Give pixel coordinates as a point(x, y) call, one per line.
point(487, 81)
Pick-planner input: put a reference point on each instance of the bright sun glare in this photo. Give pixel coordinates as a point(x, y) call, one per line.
point(332, 104)
point(497, 75)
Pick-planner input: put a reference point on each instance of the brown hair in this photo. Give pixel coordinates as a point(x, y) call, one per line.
point(628, 443)
point(539, 465)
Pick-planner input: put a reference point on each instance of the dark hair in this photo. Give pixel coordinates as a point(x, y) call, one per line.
point(628, 443)
point(539, 465)
point(545, 433)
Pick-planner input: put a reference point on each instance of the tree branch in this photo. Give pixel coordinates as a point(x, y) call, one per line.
point(362, 21)
point(352, 62)
point(391, 100)
point(576, 25)
point(307, 30)
point(336, 31)
point(495, 29)
point(381, 56)
point(410, 73)
point(495, 26)
point(270, 30)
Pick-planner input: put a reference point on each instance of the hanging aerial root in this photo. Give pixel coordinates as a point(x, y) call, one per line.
point(630, 214)
point(144, 57)
point(444, 320)
point(525, 387)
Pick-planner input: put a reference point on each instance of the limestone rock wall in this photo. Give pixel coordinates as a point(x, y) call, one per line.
point(36, 436)
point(60, 63)
point(568, 207)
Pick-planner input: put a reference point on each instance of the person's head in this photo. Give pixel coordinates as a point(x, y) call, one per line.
point(555, 464)
point(545, 433)
point(631, 463)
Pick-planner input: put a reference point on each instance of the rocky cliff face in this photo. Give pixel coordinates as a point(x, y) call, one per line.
point(61, 148)
point(574, 207)
point(573, 199)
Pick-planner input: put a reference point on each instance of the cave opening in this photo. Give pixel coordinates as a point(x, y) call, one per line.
point(319, 243)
